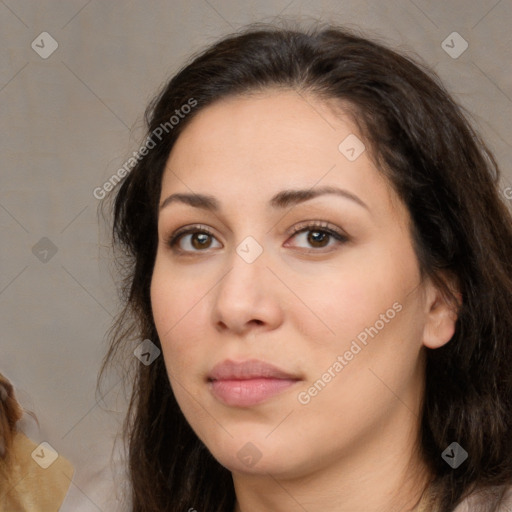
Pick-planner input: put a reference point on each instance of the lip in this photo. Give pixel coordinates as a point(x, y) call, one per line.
point(247, 383)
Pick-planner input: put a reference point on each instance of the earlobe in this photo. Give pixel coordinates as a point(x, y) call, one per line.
point(441, 319)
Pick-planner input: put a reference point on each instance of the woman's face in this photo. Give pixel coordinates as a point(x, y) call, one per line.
point(324, 287)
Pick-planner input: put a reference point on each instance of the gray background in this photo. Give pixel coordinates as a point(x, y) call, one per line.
point(69, 121)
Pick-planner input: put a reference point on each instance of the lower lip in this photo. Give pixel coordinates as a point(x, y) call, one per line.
point(244, 393)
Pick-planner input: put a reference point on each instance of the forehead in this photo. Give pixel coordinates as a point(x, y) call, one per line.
point(262, 126)
point(269, 141)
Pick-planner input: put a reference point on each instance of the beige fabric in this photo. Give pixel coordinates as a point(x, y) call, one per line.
point(478, 500)
point(30, 488)
point(473, 503)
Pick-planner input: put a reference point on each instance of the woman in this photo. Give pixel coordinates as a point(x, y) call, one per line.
point(318, 247)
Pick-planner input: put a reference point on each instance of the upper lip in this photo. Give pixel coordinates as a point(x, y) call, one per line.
point(250, 369)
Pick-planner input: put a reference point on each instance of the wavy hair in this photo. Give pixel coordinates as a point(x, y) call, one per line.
point(424, 144)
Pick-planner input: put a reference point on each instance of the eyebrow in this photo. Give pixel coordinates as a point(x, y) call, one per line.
point(281, 200)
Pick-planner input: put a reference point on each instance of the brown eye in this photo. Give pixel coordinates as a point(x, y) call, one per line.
point(318, 238)
point(318, 235)
point(200, 240)
point(191, 240)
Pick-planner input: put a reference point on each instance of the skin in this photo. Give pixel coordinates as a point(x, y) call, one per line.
point(354, 445)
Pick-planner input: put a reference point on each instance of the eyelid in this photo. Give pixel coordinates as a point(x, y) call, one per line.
point(191, 228)
point(320, 224)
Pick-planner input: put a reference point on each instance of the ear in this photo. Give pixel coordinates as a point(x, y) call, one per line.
point(441, 313)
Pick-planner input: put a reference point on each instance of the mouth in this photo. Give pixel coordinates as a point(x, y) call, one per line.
point(248, 383)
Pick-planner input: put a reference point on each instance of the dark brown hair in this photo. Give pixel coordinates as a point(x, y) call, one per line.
point(446, 176)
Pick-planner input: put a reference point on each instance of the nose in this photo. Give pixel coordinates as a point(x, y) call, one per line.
point(247, 298)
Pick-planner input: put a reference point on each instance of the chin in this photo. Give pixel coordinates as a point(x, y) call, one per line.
point(256, 457)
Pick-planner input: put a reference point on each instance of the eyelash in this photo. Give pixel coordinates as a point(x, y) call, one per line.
point(304, 227)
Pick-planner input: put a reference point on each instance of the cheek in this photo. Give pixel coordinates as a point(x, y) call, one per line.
point(176, 294)
point(180, 316)
point(351, 297)
point(372, 308)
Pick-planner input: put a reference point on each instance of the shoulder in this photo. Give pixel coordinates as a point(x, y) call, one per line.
point(482, 499)
point(507, 499)
point(34, 485)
